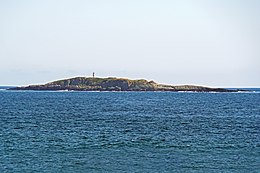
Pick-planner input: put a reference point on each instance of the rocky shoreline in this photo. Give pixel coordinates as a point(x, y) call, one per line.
point(116, 84)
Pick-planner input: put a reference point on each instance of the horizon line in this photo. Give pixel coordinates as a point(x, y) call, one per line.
point(177, 84)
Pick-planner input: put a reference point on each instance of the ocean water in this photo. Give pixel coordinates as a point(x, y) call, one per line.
point(129, 132)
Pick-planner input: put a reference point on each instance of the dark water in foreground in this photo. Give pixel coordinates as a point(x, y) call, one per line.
point(129, 132)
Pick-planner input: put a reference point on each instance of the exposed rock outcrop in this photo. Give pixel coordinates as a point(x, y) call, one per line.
point(115, 84)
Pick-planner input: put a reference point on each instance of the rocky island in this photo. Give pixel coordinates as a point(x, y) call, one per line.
point(115, 84)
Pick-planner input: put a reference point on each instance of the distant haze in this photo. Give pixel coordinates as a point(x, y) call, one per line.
point(202, 42)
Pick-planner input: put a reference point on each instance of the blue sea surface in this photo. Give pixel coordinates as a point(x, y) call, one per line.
point(129, 132)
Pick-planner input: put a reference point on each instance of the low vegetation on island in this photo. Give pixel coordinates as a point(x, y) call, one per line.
point(115, 84)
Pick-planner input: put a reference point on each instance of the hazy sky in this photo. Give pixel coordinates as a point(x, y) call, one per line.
point(203, 42)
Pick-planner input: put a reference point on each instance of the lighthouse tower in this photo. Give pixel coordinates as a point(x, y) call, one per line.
point(93, 75)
